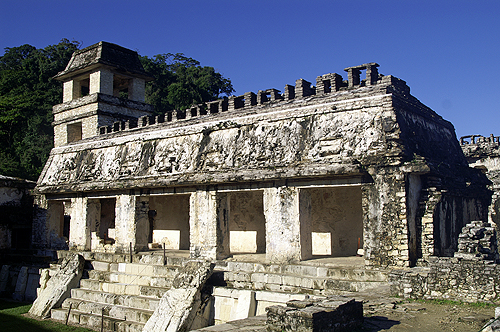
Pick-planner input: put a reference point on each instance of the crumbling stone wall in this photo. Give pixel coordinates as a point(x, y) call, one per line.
point(483, 153)
point(471, 276)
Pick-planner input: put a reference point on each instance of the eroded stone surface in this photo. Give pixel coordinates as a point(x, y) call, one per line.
point(58, 287)
point(179, 305)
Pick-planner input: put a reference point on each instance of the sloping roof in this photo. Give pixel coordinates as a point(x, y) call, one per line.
point(104, 53)
point(9, 181)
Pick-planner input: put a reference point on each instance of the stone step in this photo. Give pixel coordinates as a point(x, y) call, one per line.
point(336, 272)
point(150, 258)
point(139, 302)
point(122, 288)
point(110, 310)
point(135, 279)
point(94, 321)
point(297, 284)
point(135, 268)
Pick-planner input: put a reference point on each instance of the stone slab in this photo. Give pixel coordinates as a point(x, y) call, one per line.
point(179, 304)
point(59, 286)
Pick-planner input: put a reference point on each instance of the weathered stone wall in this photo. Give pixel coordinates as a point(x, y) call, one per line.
point(384, 218)
point(16, 209)
point(450, 278)
point(483, 153)
point(471, 276)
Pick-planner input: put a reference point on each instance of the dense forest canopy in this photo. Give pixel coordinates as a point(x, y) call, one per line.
point(28, 92)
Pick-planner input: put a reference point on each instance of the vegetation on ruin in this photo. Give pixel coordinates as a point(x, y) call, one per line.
point(12, 319)
point(451, 302)
point(28, 92)
point(179, 82)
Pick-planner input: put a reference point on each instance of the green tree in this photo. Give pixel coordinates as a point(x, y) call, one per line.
point(27, 94)
point(180, 82)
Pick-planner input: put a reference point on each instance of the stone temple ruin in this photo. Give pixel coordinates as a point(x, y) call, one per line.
point(280, 190)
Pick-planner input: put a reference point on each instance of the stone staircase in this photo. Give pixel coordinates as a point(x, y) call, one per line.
point(118, 294)
point(122, 296)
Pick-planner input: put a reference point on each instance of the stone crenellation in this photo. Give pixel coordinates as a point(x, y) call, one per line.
point(479, 139)
point(325, 84)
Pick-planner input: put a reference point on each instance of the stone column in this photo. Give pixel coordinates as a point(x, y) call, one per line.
point(71, 90)
point(131, 223)
point(79, 234)
point(39, 231)
point(288, 224)
point(136, 89)
point(93, 220)
point(209, 224)
point(101, 81)
point(385, 224)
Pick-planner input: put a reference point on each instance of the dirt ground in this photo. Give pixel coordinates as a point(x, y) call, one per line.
point(392, 314)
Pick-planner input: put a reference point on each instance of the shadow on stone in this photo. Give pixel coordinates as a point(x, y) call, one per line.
point(378, 323)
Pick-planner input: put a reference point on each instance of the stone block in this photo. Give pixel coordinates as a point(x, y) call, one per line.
point(332, 315)
point(22, 280)
point(4, 278)
point(31, 287)
point(100, 266)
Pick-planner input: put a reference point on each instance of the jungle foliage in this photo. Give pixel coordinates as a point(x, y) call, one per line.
point(28, 92)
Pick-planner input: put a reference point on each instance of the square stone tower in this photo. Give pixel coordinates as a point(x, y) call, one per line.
point(102, 84)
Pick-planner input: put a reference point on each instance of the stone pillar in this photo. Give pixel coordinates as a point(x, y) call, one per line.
point(39, 230)
point(54, 224)
point(288, 224)
point(101, 81)
point(209, 224)
point(289, 92)
point(371, 73)
point(71, 90)
point(303, 88)
point(93, 220)
point(353, 77)
point(79, 235)
point(250, 99)
point(385, 224)
point(131, 223)
point(136, 89)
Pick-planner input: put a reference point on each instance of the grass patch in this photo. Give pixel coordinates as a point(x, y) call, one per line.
point(12, 320)
point(450, 302)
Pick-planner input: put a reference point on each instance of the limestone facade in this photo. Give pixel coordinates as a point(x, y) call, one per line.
point(356, 167)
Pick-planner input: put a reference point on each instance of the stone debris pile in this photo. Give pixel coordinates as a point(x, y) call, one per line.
point(478, 240)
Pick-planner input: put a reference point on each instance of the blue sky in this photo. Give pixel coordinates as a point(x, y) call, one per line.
point(447, 51)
